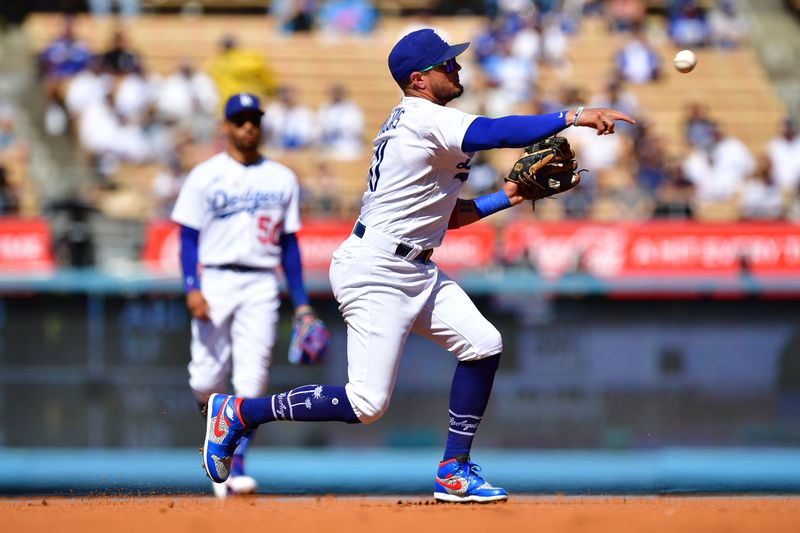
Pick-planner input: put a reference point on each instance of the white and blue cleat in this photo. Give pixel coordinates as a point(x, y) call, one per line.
point(224, 428)
point(460, 482)
point(235, 486)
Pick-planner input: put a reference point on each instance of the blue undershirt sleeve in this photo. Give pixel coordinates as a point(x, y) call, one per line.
point(189, 239)
point(293, 269)
point(514, 131)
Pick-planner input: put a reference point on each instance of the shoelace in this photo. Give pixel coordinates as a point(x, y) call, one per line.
point(471, 468)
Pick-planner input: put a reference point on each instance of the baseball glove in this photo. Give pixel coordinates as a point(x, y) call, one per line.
point(309, 339)
point(546, 168)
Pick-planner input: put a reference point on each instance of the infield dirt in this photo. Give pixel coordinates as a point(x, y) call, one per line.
point(563, 514)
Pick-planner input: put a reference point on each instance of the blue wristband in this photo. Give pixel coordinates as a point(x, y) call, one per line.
point(491, 203)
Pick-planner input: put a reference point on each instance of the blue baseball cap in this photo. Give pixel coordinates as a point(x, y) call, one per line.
point(419, 50)
point(239, 103)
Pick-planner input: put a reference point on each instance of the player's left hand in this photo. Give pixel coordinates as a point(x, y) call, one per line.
point(546, 168)
point(309, 337)
point(600, 118)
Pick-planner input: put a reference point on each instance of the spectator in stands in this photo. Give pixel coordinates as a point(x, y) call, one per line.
point(9, 199)
point(698, 127)
point(486, 42)
point(65, 56)
point(347, 16)
point(102, 8)
point(88, 87)
point(109, 138)
point(674, 195)
point(186, 93)
point(783, 152)
point(554, 40)
point(652, 162)
point(526, 44)
point(73, 244)
point(119, 59)
point(637, 61)
point(294, 16)
point(13, 148)
point(687, 26)
point(719, 171)
point(168, 181)
point(135, 96)
point(727, 26)
point(619, 198)
point(288, 125)
point(512, 76)
point(624, 15)
point(320, 193)
point(239, 70)
point(341, 125)
point(62, 59)
point(761, 198)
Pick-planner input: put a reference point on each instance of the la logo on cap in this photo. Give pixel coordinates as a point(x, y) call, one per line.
point(245, 100)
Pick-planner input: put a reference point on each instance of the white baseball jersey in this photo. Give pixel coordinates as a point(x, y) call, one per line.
point(241, 211)
point(416, 172)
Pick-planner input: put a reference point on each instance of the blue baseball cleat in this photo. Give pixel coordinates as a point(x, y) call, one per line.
point(460, 482)
point(224, 428)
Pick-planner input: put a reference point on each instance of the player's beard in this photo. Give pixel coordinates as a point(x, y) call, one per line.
point(246, 143)
point(448, 92)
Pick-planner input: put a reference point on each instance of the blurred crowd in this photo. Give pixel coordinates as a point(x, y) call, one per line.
point(124, 116)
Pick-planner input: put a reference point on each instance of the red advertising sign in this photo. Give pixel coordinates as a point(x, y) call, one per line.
point(319, 238)
point(469, 247)
point(161, 247)
point(25, 245)
point(656, 248)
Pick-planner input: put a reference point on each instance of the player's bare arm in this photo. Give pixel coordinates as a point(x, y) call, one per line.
point(466, 212)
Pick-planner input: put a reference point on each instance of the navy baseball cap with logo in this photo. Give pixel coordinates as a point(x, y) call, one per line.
point(418, 51)
point(240, 103)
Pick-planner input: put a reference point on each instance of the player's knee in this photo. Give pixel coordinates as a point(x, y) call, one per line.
point(250, 386)
point(489, 344)
point(368, 406)
point(204, 386)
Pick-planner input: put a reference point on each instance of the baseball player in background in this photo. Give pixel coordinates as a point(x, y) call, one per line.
point(384, 279)
point(238, 214)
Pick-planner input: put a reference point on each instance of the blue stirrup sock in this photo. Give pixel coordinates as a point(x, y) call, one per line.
point(311, 403)
point(469, 395)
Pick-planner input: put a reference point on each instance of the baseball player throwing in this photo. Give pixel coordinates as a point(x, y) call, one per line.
point(238, 214)
point(384, 279)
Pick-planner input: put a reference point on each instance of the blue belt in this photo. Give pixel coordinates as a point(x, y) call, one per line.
point(402, 249)
point(238, 268)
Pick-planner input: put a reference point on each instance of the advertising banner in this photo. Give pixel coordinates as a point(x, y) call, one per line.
point(654, 249)
point(25, 245)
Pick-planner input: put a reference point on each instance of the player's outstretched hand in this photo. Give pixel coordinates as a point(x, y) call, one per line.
point(197, 305)
point(602, 119)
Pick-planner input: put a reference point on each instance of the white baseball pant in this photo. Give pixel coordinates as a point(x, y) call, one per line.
point(383, 298)
point(237, 341)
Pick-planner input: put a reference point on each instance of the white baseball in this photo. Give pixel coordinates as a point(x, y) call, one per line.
point(685, 61)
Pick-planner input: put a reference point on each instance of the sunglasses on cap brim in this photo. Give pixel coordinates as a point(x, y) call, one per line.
point(241, 119)
point(449, 66)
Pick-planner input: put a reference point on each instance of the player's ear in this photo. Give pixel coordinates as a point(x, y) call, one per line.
point(417, 81)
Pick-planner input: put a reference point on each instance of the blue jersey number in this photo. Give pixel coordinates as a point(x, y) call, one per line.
point(375, 167)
